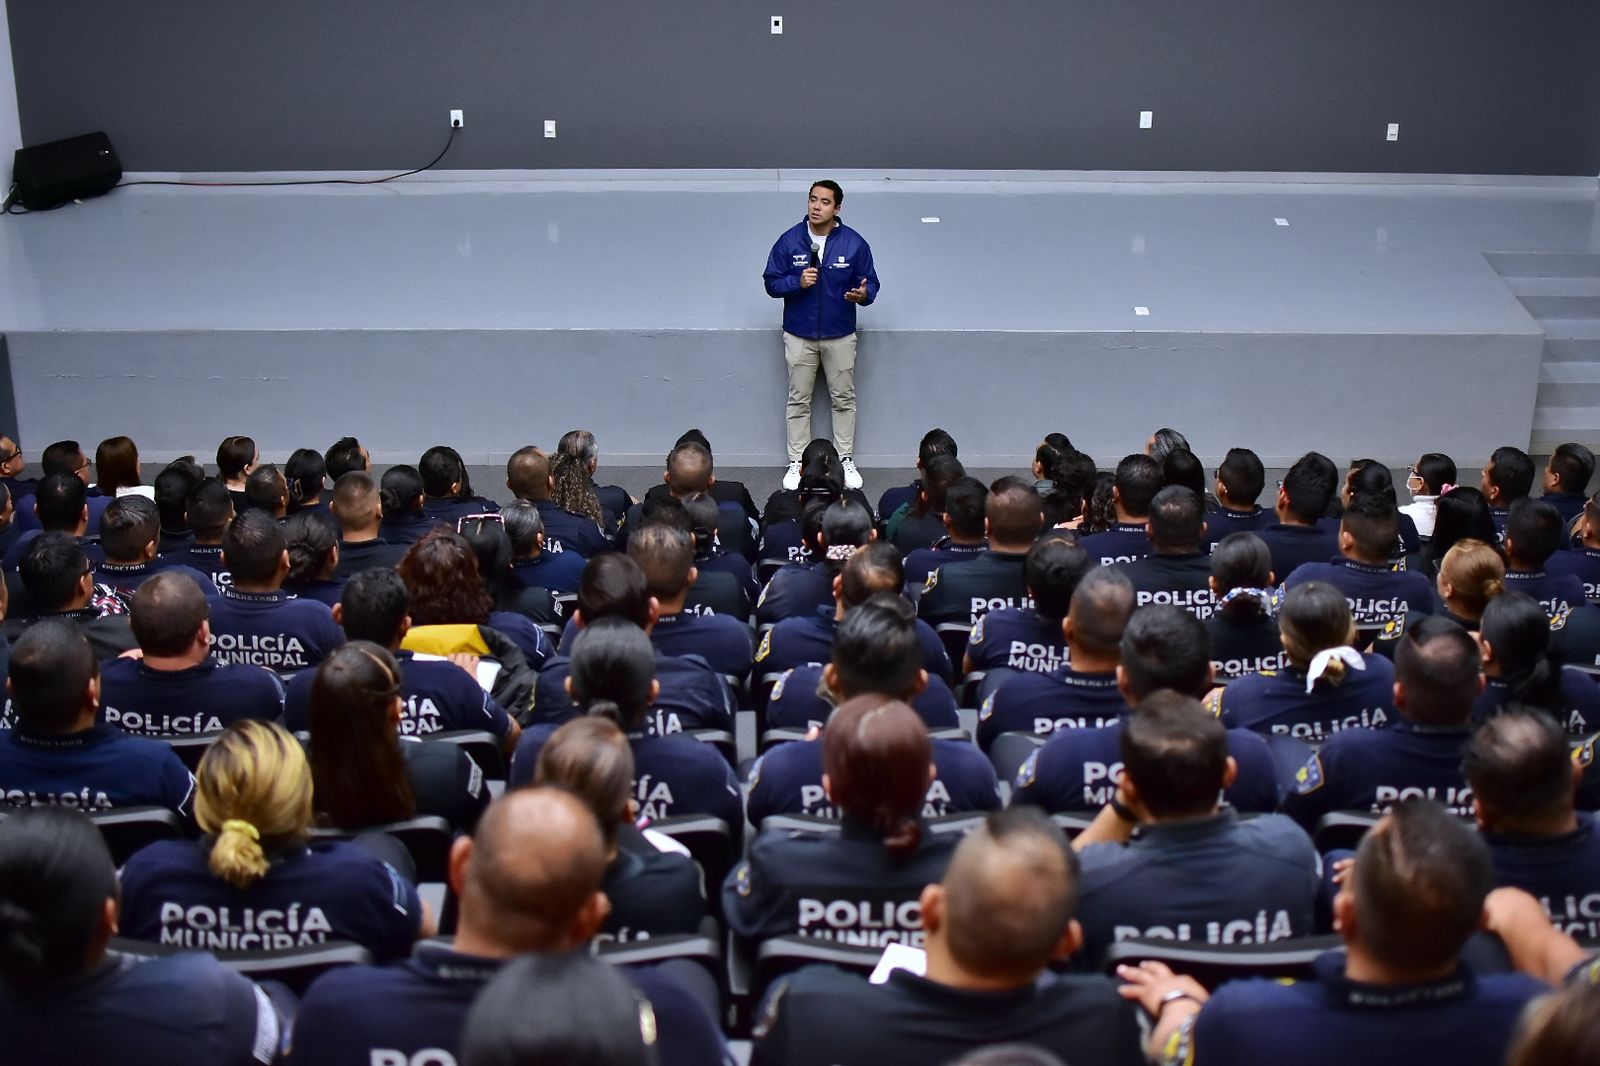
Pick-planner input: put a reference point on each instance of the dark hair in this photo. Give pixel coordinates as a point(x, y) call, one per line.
point(876, 755)
point(1242, 560)
point(1461, 514)
point(846, 526)
point(941, 472)
point(1014, 511)
point(1511, 471)
point(664, 509)
point(1137, 480)
point(305, 472)
point(253, 545)
point(696, 436)
point(1100, 508)
point(441, 574)
point(55, 877)
point(359, 778)
point(116, 465)
point(821, 477)
point(1165, 647)
point(166, 614)
point(1517, 630)
point(1074, 475)
point(1519, 766)
point(1572, 463)
point(1008, 1055)
point(1177, 517)
point(613, 586)
point(1181, 469)
point(62, 457)
point(172, 487)
point(1101, 606)
point(1052, 571)
point(1177, 754)
point(59, 500)
point(666, 555)
point(342, 457)
point(874, 568)
point(1420, 880)
point(1436, 471)
point(311, 542)
point(1315, 617)
point(700, 508)
point(1242, 475)
point(489, 541)
point(373, 604)
point(441, 468)
point(233, 455)
point(1164, 442)
point(1370, 477)
point(1373, 522)
point(559, 1008)
point(876, 650)
point(936, 442)
point(613, 665)
point(1438, 664)
point(128, 525)
point(209, 506)
point(52, 567)
point(51, 667)
point(524, 524)
point(1311, 484)
point(400, 491)
point(266, 488)
point(831, 186)
point(964, 504)
point(590, 758)
point(1535, 531)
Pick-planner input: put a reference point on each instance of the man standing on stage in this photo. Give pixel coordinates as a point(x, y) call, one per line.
point(821, 269)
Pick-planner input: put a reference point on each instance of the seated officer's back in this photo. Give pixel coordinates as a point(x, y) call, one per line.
point(58, 582)
point(1177, 571)
point(834, 531)
point(1534, 535)
point(1032, 639)
point(666, 555)
point(1304, 496)
point(254, 620)
point(1381, 597)
point(1138, 479)
point(995, 578)
point(129, 535)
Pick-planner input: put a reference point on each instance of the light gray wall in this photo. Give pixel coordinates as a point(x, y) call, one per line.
point(10, 126)
point(1478, 86)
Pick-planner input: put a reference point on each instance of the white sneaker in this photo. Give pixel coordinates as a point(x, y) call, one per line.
point(791, 477)
point(852, 476)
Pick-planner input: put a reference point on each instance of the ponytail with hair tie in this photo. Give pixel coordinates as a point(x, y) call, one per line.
point(236, 857)
point(607, 709)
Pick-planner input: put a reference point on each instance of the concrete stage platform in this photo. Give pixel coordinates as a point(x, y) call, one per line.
point(1358, 317)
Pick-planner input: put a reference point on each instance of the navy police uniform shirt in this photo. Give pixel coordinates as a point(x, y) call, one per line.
point(1583, 564)
point(97, 769)
point(1292, 546)
point(1568, 504)
point(1244, 644)
point(1557, 593)
point(525, 634)
point(1043, 704)
point(721, 592)
point(327, 891)
point(1575, 639)
point(1380, 597)
point(724, 641)
point(447, 510)
point(1462, 1020)
point(1172, 580)
point(323, 591)
point(781, 541)
point(1214, 880)
point(19, 548)
point(1374, 769)
point(967, 591)
point(1279, 702)
point(446, 782)
point(1122, 543)
point(809, 639)
point(565, 531)
point(207, 559)
point(1017, 638)
point(1580, 702)
point(1078, 770)
point(184, 1008)
point(693, 695)
point(557, 571)
point(795, 591)
point(439, 695)
point(1221, 521)
point(788, 780)
point(924, 561)
point(826, 1015)
point(273, 630)
point(652, 892)
point(717, 561)
point(205, 698)
point(414, 1013)
point(840, 885)
point(105, 627)
point(375, 554)
point(672, 776)
point(407, 528)
point(1562, 872)
point(125, 578)
point(799, 701)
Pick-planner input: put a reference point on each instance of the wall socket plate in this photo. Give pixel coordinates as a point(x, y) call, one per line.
point(550, 127)
point(1394, 131)
point(1147, 119)
point(777, 24)
point(457, 118)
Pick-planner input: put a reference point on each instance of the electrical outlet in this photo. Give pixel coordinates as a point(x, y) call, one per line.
point(777, 24)
point(550, 127)
point(1394, 131)
point(457, 119)
point(1147, 119)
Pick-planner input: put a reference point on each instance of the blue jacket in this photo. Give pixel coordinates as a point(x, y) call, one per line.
point(820, 312)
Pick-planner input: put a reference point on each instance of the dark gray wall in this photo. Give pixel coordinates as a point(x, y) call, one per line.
point(1479, 86)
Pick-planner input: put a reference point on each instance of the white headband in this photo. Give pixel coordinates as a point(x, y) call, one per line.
point(1344, 653)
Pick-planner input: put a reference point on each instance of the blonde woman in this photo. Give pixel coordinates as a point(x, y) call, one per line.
point(252, 882)
point(1470, 575)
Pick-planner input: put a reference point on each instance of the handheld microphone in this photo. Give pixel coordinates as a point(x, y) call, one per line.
point(816, 256)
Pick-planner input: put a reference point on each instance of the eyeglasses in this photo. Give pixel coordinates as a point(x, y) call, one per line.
point(461, 523)
point(10, 456)
point(86, 464)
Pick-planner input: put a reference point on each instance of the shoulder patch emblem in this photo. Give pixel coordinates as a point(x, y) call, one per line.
point(1309, 777)
point(1583, 754)
point(1028, 771)
point(777, 688)
point(987, 710)
point(741, 882)
point(1213, 702)
point(766, 647)
point(932, 582)
point(1393, 629)
point(755, 771)
point(976, 636)
point(1558, 621)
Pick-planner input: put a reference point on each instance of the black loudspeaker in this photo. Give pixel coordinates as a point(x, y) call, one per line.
point(48, 175)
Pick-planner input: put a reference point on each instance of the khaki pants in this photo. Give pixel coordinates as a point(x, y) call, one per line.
point(837, 358)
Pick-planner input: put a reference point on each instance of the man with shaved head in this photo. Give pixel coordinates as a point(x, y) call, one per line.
point(666, 555)
point(528, 881)
point(689, 471)
point(529, 477)
point(1002, 914)
point(357, 507)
